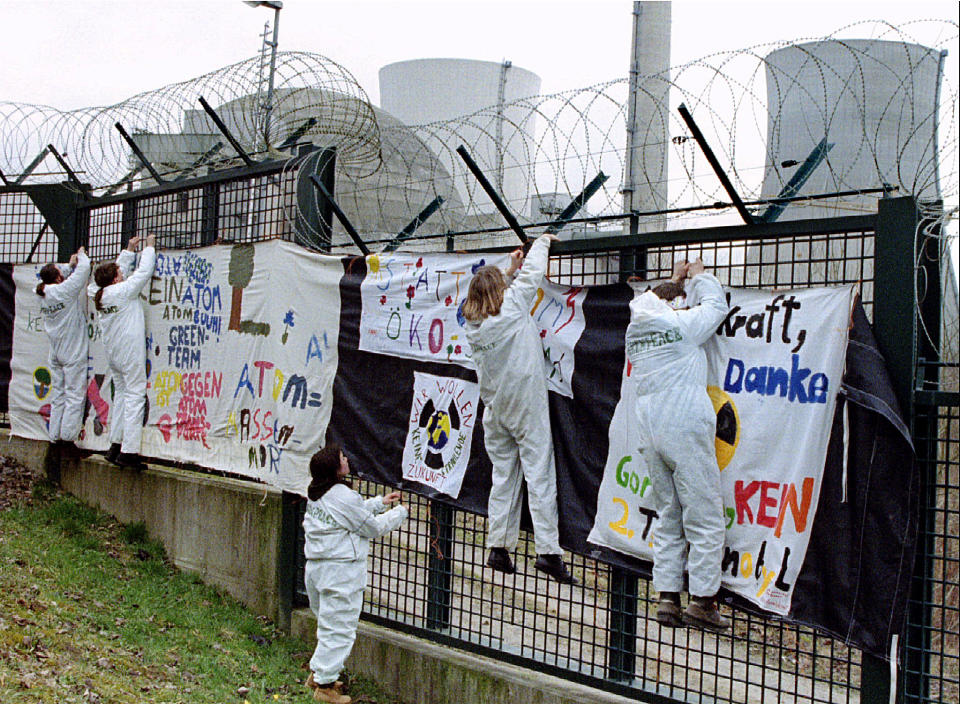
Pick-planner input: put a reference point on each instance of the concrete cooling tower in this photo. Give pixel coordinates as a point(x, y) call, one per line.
point(875, 103)
point(873, 107)
point(379, 201)
point(423, 91)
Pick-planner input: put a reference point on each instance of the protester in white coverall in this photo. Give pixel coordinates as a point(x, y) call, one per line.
point(117, 300)
point(64, 311)
point(506, 349)
point(677, 428)
point(338, 526)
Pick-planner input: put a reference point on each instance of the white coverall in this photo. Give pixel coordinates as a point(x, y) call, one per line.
point(124, 340)
point(337, 530)
point(677, 430)
point(516, 421)
point(64, 311)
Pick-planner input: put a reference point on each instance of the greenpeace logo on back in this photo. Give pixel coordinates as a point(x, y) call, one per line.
point(49, 310)
point(652, 340)
point(321, 516)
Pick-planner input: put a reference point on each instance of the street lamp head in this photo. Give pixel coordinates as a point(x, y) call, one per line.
point(273, 4)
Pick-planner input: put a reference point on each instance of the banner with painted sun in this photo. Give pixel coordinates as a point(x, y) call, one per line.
point(773, 370)
point(440, 431)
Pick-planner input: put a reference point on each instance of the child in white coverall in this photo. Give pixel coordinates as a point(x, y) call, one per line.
point(117, 289)
point(338, 526)
point(677, 427)
point(506, 349)
point(64, 312)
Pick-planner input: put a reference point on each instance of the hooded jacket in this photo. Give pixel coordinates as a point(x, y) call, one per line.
point(665, 345)
point(341, 524)
point(64, 314)
point(506, 347)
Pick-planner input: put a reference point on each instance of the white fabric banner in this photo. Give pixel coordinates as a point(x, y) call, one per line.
point(440, 431)
point(412, 308)
point(242, 351)
point(241, 355)
point(29, 362)
point(775, 366)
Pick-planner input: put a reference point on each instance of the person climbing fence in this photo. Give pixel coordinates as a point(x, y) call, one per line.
point(117, 287)
point(64, 314)
point(677, 425)
point(516, 420)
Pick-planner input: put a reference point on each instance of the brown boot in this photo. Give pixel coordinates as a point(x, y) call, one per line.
point(702, 612)
point(310, 684)
point(131, 461)
point(668, 609)
point(330, 695)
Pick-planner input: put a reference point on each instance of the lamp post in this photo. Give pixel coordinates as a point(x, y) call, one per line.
point(276, 5)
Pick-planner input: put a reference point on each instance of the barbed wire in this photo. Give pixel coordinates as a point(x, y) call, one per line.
point(312, 94)
point(872, 105)
point(884, 106)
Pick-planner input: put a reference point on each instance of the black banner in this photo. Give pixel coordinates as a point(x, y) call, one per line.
point(7, 317)
point(854, 579)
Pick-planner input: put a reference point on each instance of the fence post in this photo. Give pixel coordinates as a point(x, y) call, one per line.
point(440, 567)
point(210, 213)
point(77, 225)
point(917, 647)
point(128, 221)
point(81, 229)
point(314, 222)
point(624, 586)
point(894, 320)
point(287, 558)
point(622, 640)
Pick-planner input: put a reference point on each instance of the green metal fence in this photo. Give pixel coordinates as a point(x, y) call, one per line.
point(427, 577)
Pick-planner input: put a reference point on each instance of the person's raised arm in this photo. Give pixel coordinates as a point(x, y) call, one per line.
point(128, 256)
point(526, 283)
point(699, 322)
point(77, 279)
point(680, 271)
point(130, 288)
point(379, 504)
point(349, 510)
point(516, 260)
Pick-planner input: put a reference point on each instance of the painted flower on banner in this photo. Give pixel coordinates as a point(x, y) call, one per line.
point(287, 324)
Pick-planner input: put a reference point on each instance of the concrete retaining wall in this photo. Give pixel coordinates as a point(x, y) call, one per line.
point(230, 532)
point(30, 453)
point(419, 671)
point(225, 530)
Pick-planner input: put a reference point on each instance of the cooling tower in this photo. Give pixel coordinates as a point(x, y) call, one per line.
point(379, 202)
point(424, 91)
point(875, 102)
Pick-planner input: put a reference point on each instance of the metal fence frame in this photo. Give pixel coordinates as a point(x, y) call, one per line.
point(420, 567)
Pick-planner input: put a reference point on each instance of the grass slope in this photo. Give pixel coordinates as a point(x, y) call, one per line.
point(91, 612)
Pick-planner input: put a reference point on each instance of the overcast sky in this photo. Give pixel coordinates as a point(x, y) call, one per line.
point(82, 53)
